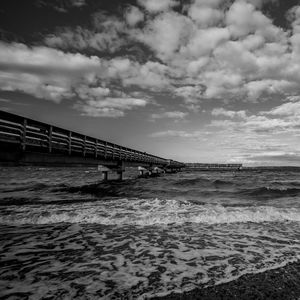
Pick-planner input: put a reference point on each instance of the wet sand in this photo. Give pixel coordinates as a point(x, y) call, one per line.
point(281, 283)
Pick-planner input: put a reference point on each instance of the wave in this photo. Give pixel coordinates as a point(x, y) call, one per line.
point(33, 187)
point(271, 192)
point(191, 181)
point(202, 182)
point(201, 186)
point(148, 212)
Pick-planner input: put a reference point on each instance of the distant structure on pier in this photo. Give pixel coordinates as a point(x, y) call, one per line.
point(201, 166)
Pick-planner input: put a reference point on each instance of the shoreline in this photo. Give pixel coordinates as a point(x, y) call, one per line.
point(280, 283)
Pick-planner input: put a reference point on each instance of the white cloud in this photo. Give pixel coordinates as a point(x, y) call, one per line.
point(109, 107)
point(204, 41)
point(61, 6)
point(176, 133)
point(105, 35)
point(43, 72)
point(257, 88)
point(78, 3)
point(133, 15)
point(154, 6)
point(191, 95)
point(286, 109)
point(54, 75)
point(151, 75)
point(165, 33)
point(263, 122)
point(228, 113)
point(205, 16)
point(243, 19)
point(207, 3)
point(216, 50)
point(86, 92)
point(225, 51)
point(170, 115)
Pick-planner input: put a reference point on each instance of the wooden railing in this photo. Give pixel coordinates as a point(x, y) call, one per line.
point(42, 137)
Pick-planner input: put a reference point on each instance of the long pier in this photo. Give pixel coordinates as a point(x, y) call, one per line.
point(24, 141)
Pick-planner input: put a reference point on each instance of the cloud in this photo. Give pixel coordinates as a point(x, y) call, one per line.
point(164, 34)
point(92, 92)
point(5, 100)
point(109, 107)
point(154, 6)
point(215, 50)
point(228, 113)
point(54, 75)
point(169, 115)
point(176, 133)
point(248, 137)
point(133, 15)
point(204, 41)
point(212, 50)
point(242, 19)
point(277, 159)
point(190, 94)
point(286, 109)
point(263, 122)
point(295, 38)
point(207, 3)
point(78, 3)
point(43, 72)
point(61, 6)
point(105, 35)
point(205, 16)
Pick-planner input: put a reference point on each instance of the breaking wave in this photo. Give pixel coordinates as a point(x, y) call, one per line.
point(148, 212)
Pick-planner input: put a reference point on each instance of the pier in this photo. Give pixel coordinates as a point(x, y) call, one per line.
point(212, 167)
point(24, 141)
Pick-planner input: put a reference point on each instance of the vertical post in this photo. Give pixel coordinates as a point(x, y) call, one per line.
point(96, 148)
point(105, 150)
point(121, 169)
point(70, 142)
point(113, 154)
point(84, 145)
point(105, 175)
point(50, 138)
point(120, 175)
point(24, 135)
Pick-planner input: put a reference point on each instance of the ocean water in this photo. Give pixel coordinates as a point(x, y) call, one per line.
point(66, 235)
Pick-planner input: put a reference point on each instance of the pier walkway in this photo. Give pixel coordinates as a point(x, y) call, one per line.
point(24, 141)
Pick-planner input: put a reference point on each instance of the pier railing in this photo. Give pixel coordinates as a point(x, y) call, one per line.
point(37, 136)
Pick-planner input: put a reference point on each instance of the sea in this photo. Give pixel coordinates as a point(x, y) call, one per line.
point(64, 234)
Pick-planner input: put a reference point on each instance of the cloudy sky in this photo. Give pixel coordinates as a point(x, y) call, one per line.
point(195, 81)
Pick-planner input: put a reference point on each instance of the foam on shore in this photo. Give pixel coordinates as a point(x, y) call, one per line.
point(145, 212)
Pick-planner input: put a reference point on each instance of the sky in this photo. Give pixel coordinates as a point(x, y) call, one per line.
point(211, 81)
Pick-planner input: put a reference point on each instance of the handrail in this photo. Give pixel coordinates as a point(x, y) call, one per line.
point(30, 133)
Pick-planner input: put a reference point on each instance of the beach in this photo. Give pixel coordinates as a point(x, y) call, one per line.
point(281, 283)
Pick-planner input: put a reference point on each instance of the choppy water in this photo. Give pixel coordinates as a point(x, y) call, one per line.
point(63, 235)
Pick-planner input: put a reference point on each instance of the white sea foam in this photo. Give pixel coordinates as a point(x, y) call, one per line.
point(146, 212)
point(140, 262)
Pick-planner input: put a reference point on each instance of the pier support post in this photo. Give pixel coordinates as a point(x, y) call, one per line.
point(120, 175)
point(104, 170)
point(23, 142)
point(105, 175)
point(120, 170)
